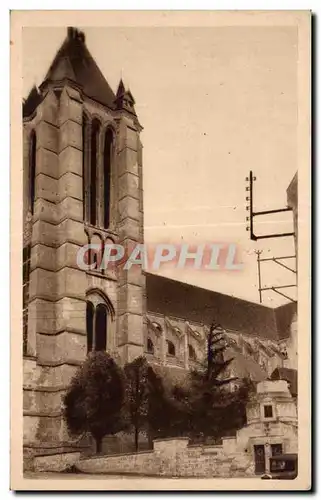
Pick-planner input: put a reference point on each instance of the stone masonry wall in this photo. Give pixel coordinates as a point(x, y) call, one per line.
point(172, 458)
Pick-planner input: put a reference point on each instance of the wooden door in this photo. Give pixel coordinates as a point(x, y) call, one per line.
point(259, 458)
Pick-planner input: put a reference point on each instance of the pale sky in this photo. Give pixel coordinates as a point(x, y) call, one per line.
point(214, 103)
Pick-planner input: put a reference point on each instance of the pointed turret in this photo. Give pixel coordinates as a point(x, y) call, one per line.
point(31, 102)
point(124, 99)
point(74, 63)
point(120, 90)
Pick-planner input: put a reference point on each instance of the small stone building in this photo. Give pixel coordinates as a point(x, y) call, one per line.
point(272, 425)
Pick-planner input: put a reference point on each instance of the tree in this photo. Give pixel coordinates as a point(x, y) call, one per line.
point(159, 406)
point(94, 400)
point(216, 365)
point(206, 408)
point(136, 395)
point(146, 400)
point(234, 415)
point(181, 411)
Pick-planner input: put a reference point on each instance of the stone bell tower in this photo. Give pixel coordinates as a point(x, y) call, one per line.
point(82, 184)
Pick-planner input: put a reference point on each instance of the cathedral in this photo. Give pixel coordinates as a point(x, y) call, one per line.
point(82, 184)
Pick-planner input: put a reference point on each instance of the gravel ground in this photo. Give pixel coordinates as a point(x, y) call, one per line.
point(105, 482)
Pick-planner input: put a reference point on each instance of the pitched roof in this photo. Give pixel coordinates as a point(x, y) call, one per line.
point(284, 316)
point(74, 62)
point(245, 366)
point(174, 298)
point(242, 366)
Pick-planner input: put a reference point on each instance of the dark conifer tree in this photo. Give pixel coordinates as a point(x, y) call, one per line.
point(207, 408)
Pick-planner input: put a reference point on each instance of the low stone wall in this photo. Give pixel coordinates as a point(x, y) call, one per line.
point(172, 458)
point(55, 463)
point(124, 443)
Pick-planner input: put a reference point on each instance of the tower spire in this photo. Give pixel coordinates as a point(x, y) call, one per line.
point(124, 99)
point(74, 63)
point(121, 89)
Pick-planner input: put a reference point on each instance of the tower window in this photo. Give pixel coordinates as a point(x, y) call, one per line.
point(97, 172)
point(84, 173)
point(32, 166)
point(108, 149)
point(94, 145)
point(98, 316)
point(101, 328)
point(90, 325)
point(170, 348)
point(150, 346)
point(191, 352)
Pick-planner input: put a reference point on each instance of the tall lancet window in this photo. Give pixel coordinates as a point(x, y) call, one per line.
point(85, 124)
point(94, 147)
point(99, 317)
point(32, 167)
point(101, 327)
point(90, 310)
point(108, 151)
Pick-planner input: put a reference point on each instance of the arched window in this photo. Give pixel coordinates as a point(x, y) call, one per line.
point(191, 352)
point(101, 328)
point(84, 163)
point(97, 168)
point(150, 346)
point(100, 315)
point(108, 151)
point(170, 348)
point(90, 325)
point(94, 146)
point(32, 166)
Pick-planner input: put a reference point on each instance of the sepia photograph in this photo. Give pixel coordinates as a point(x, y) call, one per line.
point(163, 330)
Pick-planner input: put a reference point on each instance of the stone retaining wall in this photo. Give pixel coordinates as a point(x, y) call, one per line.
point(55, 463)
point(173, 458)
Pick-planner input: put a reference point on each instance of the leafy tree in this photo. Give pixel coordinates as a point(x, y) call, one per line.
point(181, 411)
point(146, 400)
point(94, 400)
point(159, 406)
point(136, 389)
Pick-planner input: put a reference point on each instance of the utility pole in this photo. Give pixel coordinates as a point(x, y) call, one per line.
point(258, 253)
point(277, 260)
